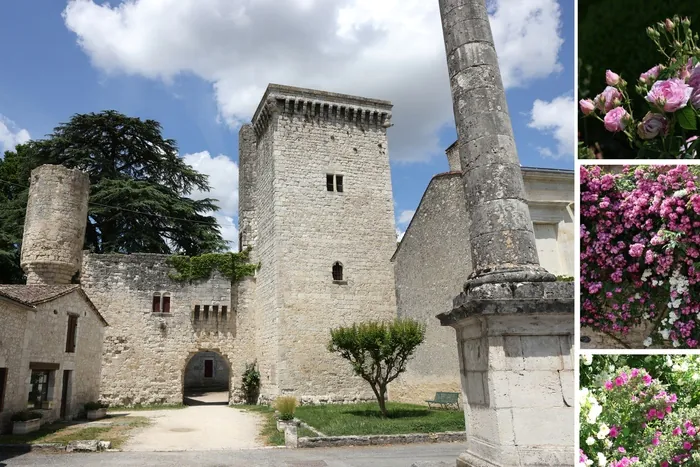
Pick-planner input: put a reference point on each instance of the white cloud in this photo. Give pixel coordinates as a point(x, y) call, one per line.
point(11, 135)
point(391, 49)
point(555, 118)
point(405, 217)
point(223, 181)
point(399, 234)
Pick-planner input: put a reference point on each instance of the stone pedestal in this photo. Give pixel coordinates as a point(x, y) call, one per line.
point(515, 349)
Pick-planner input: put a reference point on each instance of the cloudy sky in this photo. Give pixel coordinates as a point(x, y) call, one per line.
point(201, 66)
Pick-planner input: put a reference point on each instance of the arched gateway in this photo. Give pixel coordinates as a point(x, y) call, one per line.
point(206, 378)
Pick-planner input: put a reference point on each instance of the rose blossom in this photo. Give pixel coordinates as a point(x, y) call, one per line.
point(650, 74)
point(651, 125)
point(587, 106)
point(671, 94)
point(608, 99)
point(612, 78)
point(616, 119)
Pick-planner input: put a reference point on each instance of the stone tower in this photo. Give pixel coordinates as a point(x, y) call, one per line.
point(54, 228)
point(316, 207)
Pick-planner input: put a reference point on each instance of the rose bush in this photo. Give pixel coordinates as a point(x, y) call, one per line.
point(630, 417)
point(672, 92)
point(640, 252)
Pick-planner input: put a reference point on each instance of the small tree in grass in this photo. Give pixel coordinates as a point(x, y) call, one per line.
point(378, 351)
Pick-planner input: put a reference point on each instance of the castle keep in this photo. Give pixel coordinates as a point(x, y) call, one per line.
point(316, 208)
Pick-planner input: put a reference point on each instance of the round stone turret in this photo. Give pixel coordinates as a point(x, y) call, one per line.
point(54, 227)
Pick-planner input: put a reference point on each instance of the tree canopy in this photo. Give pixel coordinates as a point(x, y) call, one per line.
point(140, 189)
point(378, 351)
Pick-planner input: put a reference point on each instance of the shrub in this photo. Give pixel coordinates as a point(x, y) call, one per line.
point(378, 351)
point(25, 416)
point(630, 417)
point(286, 407)
point(250, 383)
point(640, 252)
point(95, 406)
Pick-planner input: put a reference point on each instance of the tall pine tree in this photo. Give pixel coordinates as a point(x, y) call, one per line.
point(139, 196)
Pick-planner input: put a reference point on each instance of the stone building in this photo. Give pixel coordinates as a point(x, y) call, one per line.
point(51, 333)
point(433, 259)
point(316, 208)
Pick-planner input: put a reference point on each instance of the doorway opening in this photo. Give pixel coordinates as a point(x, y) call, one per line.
point(65, 396)
point(206, 379)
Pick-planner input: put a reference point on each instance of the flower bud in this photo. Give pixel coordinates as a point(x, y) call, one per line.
point(686, 22)
point(668, 24)
point(587, 106)
point(612, 78)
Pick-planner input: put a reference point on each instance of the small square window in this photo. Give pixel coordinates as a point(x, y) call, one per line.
point(329, 183)
point(339, 183)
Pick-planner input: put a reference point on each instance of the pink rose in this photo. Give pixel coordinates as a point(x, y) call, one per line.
point(694, 80)
point(616, 120)
point(587, 106)
point(612, 78)
point(608, 99)
point(650, 75)
point(651, 125)
point(670, 94)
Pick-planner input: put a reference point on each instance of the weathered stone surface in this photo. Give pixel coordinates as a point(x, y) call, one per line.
point(54, 225)
point(378, 440)
point(91, 445)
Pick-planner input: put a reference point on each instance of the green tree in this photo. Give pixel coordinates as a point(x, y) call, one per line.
point(140, 188)
point(378, 351)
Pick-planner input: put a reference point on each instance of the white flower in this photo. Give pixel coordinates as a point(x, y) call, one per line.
point(647, 342)
point(607, 442)
point(602, 460)
point(594, 412)
point(603, 431)
point(695, 377)
point(646, 274)
point(680, 193)
point(673, 317)
point(669, 362)
point(590, 440)
point(665, 333)
point(676, 343)
point(587, 358)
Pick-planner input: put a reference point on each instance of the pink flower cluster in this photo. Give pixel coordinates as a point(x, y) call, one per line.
point(640, 250)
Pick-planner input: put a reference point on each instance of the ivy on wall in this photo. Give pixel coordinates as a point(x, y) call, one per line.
point(234, 266)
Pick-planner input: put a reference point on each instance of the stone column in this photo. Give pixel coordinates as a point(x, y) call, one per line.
point(514, 323)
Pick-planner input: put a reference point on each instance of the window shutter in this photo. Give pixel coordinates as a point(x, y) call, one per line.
point(166, 304)
point(156, 304)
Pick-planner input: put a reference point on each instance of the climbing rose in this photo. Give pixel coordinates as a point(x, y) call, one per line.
point(651, 125)
point(650, 74)
point(608, 99)
point(670, 94)
point(587, 106)
point(616, 119)
point(612, 78)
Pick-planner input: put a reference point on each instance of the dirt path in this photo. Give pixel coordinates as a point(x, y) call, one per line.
point(197, 428)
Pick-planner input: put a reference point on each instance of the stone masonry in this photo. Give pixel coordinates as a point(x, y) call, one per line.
point(54, 226)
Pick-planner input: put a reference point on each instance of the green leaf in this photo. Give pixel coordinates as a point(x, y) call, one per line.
point(686, 118)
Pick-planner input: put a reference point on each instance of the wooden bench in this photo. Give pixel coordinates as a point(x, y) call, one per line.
point(445, 399)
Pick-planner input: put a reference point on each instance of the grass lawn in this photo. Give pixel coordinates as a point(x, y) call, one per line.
point(365, 419)
point(64, 432)
point(269, 432)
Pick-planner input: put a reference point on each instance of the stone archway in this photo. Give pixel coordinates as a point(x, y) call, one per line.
point(206, 379)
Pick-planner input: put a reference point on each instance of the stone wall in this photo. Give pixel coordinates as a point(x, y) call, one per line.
point(313, 134)
point(433, 260)
point(54, 226)
point(12, 331)
point(40, 337)
point(145, 353)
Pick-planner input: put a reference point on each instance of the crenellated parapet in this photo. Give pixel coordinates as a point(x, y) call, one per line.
point(322, 106)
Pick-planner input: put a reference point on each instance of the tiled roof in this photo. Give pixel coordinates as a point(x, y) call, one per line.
point(32, 295)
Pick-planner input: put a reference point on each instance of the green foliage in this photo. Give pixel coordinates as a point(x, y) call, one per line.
point(286, 406)
point(95, 406)
point(139, 196)
point(366, 419)
point(25, 416)
point(233, 266)
point(378, 351)
point(565, 278)
point(612, 35)
point(250, 383)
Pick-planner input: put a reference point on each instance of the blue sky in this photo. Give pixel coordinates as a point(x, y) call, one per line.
point(199, 67)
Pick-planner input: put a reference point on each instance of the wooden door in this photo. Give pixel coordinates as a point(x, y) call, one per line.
point(64, 394)
point(208, 368)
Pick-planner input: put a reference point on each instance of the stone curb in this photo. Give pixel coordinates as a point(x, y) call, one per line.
point(73, 446)
point(376, 440)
